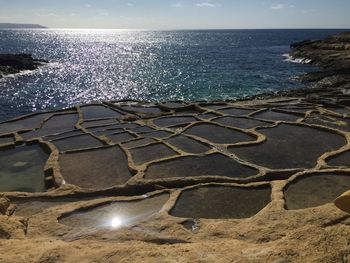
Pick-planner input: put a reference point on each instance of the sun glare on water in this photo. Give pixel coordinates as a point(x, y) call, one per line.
point(116, 222)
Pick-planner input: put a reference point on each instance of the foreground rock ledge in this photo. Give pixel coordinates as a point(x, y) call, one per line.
point(249, 181)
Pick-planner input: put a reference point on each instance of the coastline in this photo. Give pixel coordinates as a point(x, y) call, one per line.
point(251, 180)
point(331, 83)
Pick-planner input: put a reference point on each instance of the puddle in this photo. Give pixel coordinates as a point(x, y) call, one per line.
point(192, 224)
point(217, 134)
point(158, 134)
point(297, 109)
point(276, 116)
point(174, 105)
point(208, 116)
point(30, 207)
point(91, 124)
point(117, 214)
point(56, 124)
point(188, 145)
point(210, 165)
point(22, 169)
point(28, 123)
point(243, 123)
point(214, 106)
point(173, 121)
point(142, 129)
point(336, 123)
point(120, 137)
point(138, 143)
point(342, 159)
point(64, 135)
point(315, 190)
point(95, 169)
point(290, 146)
point(108, 132)
point(136, 109)
point(98, 112)
point(112, 127)
point(77, 143)
point(151, 152)
point(236, 111)
point(214, 202)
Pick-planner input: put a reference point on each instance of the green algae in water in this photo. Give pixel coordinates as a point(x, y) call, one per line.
point(22, 169)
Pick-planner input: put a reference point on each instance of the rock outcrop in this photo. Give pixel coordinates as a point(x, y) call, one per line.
point(331, 84)
point(13, 64)
point(331, 54)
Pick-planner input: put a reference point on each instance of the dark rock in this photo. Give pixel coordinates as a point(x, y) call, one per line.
point(331, 52)
point(15, 63)
point(301, 43)
point(332, 55)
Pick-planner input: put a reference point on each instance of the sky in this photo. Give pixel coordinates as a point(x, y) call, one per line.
point(177, 14)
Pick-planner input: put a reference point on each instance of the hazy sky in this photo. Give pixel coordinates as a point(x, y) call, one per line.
point(173, 14)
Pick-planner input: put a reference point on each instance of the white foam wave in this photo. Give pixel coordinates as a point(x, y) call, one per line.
point(31, 72)
point(289, 58)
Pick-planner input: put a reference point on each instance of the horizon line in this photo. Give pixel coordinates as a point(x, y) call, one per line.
point(182, 29)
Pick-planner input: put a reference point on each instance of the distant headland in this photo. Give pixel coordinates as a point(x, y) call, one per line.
point(15, 25)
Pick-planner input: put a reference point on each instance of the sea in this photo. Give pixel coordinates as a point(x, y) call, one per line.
point(103, 65)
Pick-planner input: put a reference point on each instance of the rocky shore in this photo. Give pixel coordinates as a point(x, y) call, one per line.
point(127, 181)
point(13, 64)
point(331, 84)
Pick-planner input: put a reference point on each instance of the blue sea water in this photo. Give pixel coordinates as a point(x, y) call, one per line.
point(98, 65)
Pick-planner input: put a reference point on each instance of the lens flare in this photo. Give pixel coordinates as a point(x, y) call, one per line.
point(116, 222)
